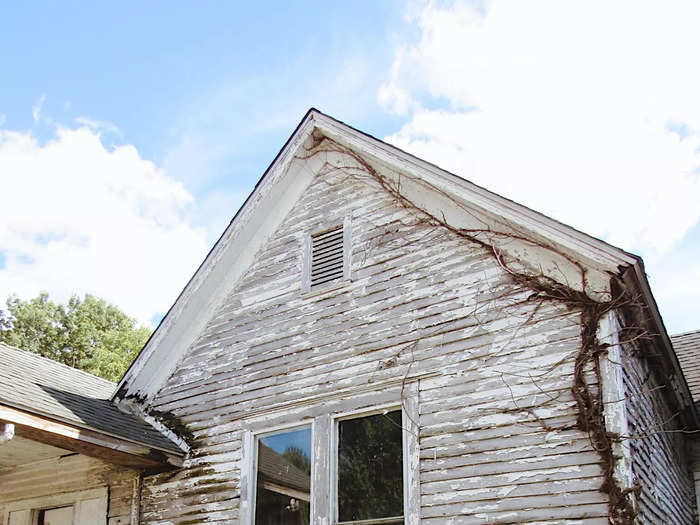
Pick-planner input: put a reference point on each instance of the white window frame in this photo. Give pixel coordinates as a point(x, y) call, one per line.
point(249, 470)
point(324, 458)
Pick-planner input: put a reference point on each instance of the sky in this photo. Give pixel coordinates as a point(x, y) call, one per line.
point(131, 133)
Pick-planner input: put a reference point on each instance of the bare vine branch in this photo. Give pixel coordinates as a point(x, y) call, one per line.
point(543, 288)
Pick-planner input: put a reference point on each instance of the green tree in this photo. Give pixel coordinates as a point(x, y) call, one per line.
point(370, 467)
point(89, 333)
point(298, 458)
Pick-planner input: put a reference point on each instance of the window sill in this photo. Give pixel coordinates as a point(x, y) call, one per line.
point(377, 521)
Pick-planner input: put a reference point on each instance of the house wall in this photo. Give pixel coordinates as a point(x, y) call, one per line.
point(694, 452)
point(658, 450)
point(69, 474)
point(424, 313)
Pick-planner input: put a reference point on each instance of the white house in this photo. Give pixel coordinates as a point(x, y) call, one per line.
point(376, 340)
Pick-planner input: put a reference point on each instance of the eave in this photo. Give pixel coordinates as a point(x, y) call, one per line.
point(282, 181)
point(671, 373)
point(88, 441)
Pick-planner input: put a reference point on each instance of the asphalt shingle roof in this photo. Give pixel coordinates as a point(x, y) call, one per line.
point(277, 468)
point(687, 347)
point(41, 386)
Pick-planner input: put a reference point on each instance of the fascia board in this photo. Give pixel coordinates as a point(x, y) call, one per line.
point(680, 385)
point(39, 420)
point(234, 251)
point(228, 259)
point(596, 252)
point(592, 250)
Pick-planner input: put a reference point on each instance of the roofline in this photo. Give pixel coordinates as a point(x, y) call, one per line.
point(81, 439)
point(684, 396)
point(213, 249)
point(618, 256)
point(82, 426)
point(599, 253)
point(681, 334)
point(328, 123)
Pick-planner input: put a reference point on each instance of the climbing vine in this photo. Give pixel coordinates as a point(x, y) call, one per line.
point(542, 288)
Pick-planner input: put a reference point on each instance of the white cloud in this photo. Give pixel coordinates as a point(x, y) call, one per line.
point(36, 109)
point(586, 111)
point(98, 126)
point(76, 217)
point(562, 106)
point(676, 285)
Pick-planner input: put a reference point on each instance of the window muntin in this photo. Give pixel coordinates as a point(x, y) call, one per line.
point(283, 478)
point(370, 468)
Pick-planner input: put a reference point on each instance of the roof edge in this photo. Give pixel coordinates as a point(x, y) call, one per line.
point(681, 389)
point(300, 133)
point(78, 426)
point(601, 254)
point(557, 231)
point(683, 334)
point(68, 435)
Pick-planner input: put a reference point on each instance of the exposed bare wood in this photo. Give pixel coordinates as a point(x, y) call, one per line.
point(485, 313)
point(486, 378)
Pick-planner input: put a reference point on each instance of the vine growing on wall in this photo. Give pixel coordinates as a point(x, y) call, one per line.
point(541, 288)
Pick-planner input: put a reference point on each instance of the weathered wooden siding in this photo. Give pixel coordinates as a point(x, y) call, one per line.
point(493, 370)
point(72, 473)
point(659, 452)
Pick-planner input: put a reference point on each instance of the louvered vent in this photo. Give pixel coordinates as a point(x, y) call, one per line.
point(327, 256)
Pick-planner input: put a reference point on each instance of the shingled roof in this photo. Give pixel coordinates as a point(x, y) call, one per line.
point(55, 391)
point(687, 347)
point(276, 468)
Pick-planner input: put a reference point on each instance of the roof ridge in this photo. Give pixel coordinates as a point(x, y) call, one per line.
point(57, 363)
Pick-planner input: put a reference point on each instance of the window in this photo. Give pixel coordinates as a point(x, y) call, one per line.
point(370, 469)
point(283, 478)
point(364, 468)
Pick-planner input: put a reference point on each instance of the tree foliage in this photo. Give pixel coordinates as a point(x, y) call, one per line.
point(298, 458)
point(89, 333)
point(370, 467)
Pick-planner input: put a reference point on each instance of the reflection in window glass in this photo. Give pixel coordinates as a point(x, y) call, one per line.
point(284, 478)
point(370, 467)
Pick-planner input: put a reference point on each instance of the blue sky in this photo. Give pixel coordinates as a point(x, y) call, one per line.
point(130, 133)
point(295, 438)
point(160, 69)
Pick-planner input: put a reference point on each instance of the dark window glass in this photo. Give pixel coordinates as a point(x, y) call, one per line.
point(284, 479)
point(370, 467)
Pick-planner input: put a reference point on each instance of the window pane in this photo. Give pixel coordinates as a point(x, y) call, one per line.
point(370, 467)
point(284, 478)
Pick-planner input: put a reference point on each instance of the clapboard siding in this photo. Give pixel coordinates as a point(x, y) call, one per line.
point(72, 473)
point(660, 464)
point(492, 370)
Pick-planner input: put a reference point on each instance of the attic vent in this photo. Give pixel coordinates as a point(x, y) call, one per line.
point(327, 256)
